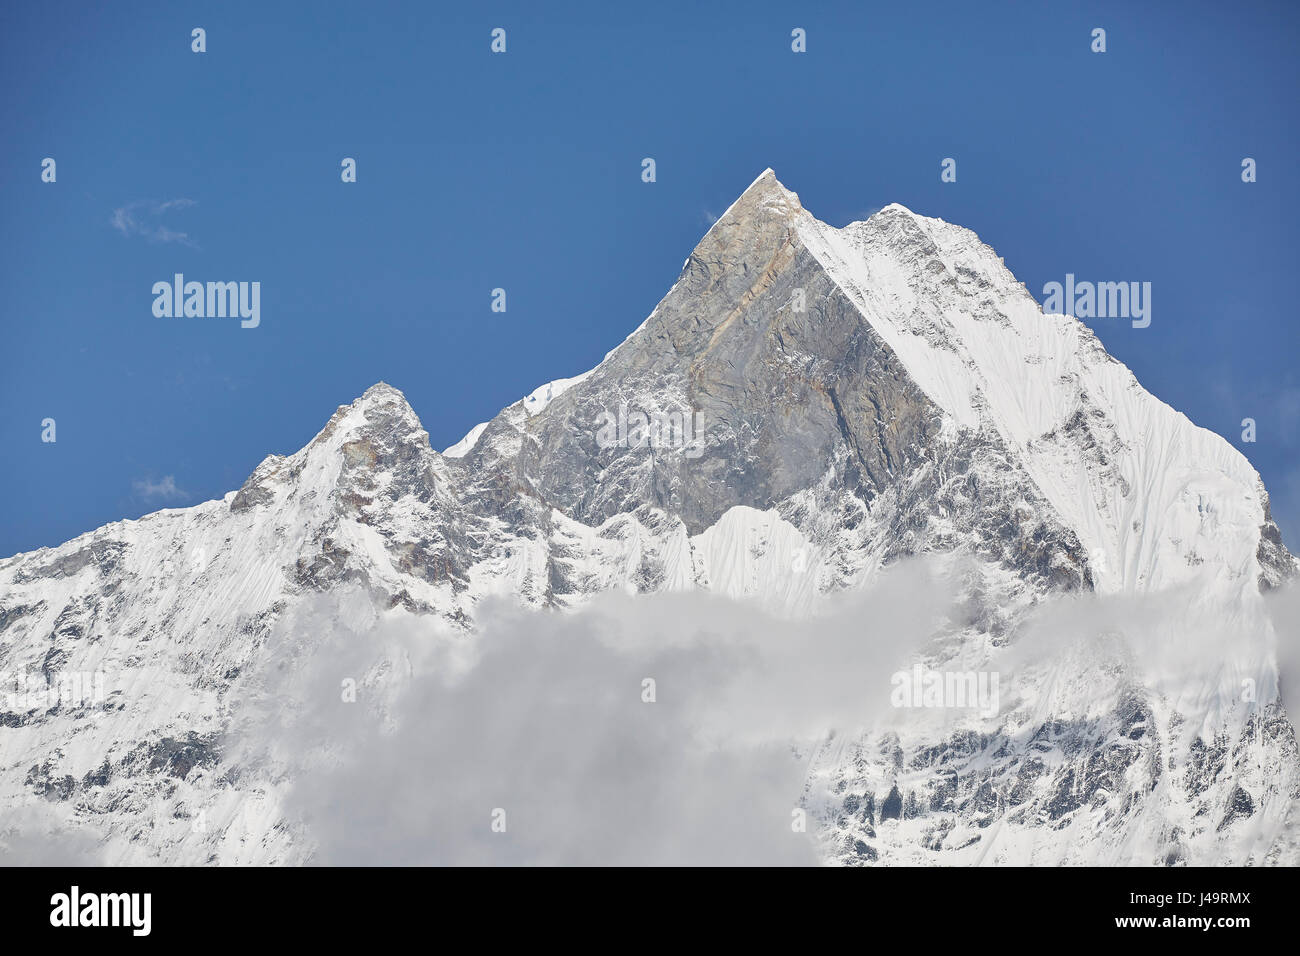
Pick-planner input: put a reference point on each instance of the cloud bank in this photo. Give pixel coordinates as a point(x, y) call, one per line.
point(546, 716)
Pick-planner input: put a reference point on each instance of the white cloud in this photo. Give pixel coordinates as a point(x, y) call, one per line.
point(37, 835)
point(542, 715)
point(164, 490)
point(142, 219)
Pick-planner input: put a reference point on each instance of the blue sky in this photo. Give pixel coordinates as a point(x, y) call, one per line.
point(522, 171)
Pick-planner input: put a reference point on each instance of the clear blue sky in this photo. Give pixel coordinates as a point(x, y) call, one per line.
point(523, 171)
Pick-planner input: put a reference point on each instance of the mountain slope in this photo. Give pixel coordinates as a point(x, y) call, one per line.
point(836, 400)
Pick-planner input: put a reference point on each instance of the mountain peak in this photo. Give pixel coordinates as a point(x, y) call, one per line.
point(377, 431)
point(380, 401)
point(898, 207)
point(381, 392)
point(765, 194)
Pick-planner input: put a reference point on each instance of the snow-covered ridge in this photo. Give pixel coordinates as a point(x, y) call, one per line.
point(463, 447)
point(1171, 494)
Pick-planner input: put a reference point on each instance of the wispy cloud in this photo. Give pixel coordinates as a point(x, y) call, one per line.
point(143, 218)
point(164, 490)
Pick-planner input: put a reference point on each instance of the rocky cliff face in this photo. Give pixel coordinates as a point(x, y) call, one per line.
point(805, 406)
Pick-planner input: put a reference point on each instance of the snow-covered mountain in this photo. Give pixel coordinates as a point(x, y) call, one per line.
point(818, 404)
